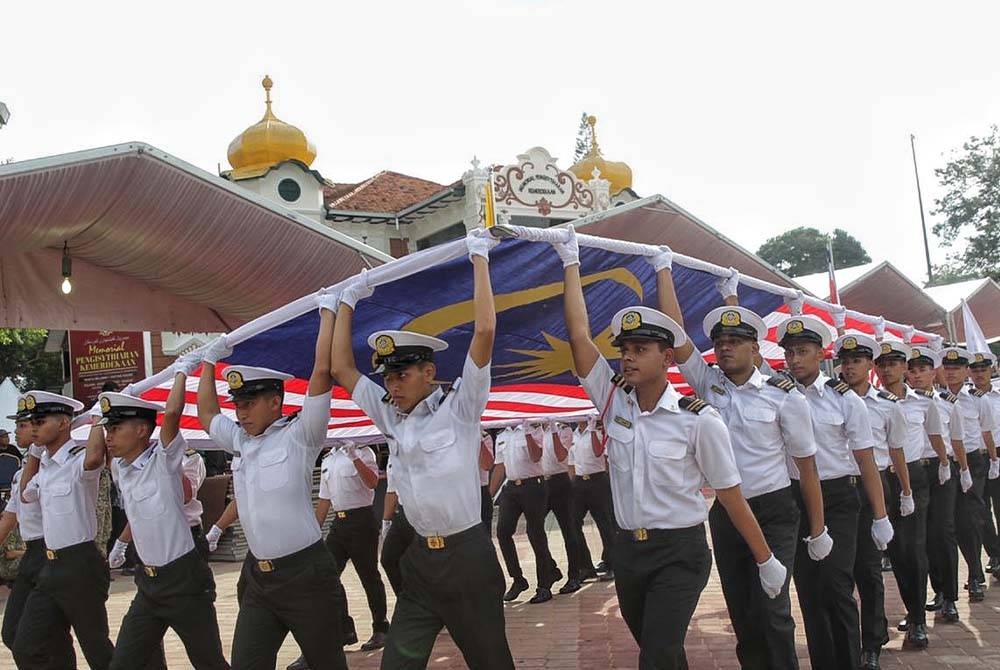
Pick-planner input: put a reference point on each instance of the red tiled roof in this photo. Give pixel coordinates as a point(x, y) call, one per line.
point(385, 192)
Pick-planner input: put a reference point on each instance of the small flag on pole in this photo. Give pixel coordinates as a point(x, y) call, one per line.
point(834, 297)
point(975, 341)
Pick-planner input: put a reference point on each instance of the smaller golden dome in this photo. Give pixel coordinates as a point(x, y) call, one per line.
point(267, 143)
point(619, 174)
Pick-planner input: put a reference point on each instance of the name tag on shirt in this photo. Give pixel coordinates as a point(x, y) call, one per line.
point(622, 421)
point(718, 390)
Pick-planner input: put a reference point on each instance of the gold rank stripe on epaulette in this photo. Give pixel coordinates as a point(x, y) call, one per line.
point(838, 386)
point(77, 449)
point(781, 383)
point(619, 381)
point(692, 404)
point(885, 395)
point(190, 452)
point(976, 393)
point(387, 398)
point(925, 393)
point(949, 396)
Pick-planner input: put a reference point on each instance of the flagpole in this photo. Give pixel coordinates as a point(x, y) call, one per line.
point(920, 200)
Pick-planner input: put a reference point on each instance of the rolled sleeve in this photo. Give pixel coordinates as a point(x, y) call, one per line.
point(473, 392)
point(796, 426)
point(714, 452)
point(856, 423)
point(932, 420)
point(956, 423)
point(224, 432)
point(698, 374)
point(895, 432)
point(174, 452)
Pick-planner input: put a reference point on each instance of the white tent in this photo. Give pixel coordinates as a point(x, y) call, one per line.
point(8, 404)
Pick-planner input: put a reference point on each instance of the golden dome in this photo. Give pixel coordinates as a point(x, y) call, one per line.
point(267, 143)
point(619, 174)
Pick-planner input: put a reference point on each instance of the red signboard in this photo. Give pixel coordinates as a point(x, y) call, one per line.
point(100, 356)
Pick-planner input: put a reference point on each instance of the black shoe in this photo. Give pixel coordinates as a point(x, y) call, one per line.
point(903, 625)
point(886, 564)
point(588, 574)
point(541, 596)
point(571, 586)
point(376, 641)
point(608, 576)
point(976, 593)
point(916, 637)
point(935, 604)
point(350, 638)
point(517, 588)
point(557, 576)
point(602, 567)
point(993, 566)
point(869, 660)
point(298, 664)
point(948, 613)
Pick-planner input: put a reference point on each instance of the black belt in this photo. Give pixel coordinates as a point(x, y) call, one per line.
point(35, 544)
point(71, 550)
point(558, 474)
point(297, 559)
point(348, 513)
point(850, 480)
point(527, 480)
point(647, 534)
point(437, 542)
point(592, 475)
point(181, 563)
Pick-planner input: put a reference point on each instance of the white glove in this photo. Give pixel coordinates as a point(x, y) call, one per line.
point(965, 479)
point(994, 468)
point(796, 303)
point(350, 450)
point(728, 285)
point(327, 300)
point(568, 250)
point(772, 576)
point(486, 441)
point(880, 329)
point(386, 523)
point(662, 260)
point(213, 536)
point(944, 473)
point(882, 533)
point(116, 558)
point(128, 390)
point(217, 351)
point(187, 364)
point(359, 289)
point(36, 451)
point(908, 334)
point(906, 504)
point(533, 431)
point(95, 412)
point(820, 546)
point(479, 242)
point(591, 422)
point(839, 314)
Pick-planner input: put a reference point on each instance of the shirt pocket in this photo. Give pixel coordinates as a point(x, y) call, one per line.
point(619, 445)
point(437, 440)
point(147, 502)
point(59, 499)
point(346, 469)
point(667, 461)
point(273, 470)
point(829, 425)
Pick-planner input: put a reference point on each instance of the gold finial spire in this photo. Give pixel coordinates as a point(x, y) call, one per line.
point(619, 174)
point(595, 150)
point(267, 84)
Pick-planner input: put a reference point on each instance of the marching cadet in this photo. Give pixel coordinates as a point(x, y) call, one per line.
point(486, 460)
point(519, 459)
point(926, 461)
point(661, 448)
point(979, 423)
point(452, 575)
point(592, 493)
point(396, 536)
point(845, 460)
point(888, 423)
point(981, 371)
point(769, 424)
point(942, 546)
point(555, 453)
point(287, 565)
point(175, 587)
point(72, 587)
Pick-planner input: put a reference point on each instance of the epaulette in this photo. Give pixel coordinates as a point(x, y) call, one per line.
point(190, 452)
point(885, 395)
point(923, 392)
point(949, 396)
point(838, 385)
point(451, 387)
point(692, 404)
point(785, 385)
point(77, 449)
point(387, 398)
point(976, 393)
point(619, 381)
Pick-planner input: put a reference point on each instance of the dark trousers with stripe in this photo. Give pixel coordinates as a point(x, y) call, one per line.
point(659, 582)
point(942, 542)
point(397, 539)
point(354, 537)
point(868, 575)
point(908, 549)
point(457, 586)
point(592, 493)
point(529, 498)
point(71, 592)
point(826, 588)
point(560, 503)
point(970, 515)
point(298, 594)
point(181, 596)
point(764, 627)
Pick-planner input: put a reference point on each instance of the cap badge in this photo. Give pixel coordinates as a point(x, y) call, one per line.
point(952, 356)
point(631, 320)
point(917, 353)
point(730, 318)
point(21, 404)
point(235, 380)
point(29, 402)
point(794, 327)
point(384, 345)
point(105, 405)
point(849, 343)
point(886, 348)
point(979, 358)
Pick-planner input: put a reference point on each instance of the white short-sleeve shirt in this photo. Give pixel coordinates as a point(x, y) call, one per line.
point(660, 459)
point(193, 467)
point(512, 451)
point(888, 425)
point(840, 425)
point(922, 420)
point(583, 459)
point(977, 418)
point(340, 482)
point(952, 421)
point(29, 515)
point(551, 465)
point(68, 495)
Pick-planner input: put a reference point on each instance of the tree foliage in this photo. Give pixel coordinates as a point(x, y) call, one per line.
point(23, 359)
point(802, 251)
point(970, 208)
point(582, 139)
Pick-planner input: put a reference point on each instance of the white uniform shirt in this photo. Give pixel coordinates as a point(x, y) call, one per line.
point(840, 425)
point(952, 423)
point(340, 483)
point(977, 418)
point(512, 451)
point(153, 497)
point(29, 515)
point(68, 495)
point(551, 465)
point(581, 457)
point(484, 475)
point(888, 426)
point(194, 470)
point(435, 450)
point(993, 397)
point(767, 426)
point(660, 459)
point(272, 477)
point(923, 419)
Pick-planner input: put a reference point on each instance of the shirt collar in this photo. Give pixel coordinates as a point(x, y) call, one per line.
point(756, 380)
point(140, 461)
point(668, 400)
point(819, 384)
point(428, 405)
point(62, 454)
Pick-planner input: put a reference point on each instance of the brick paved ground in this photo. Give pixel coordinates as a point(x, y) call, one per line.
point(585, 630)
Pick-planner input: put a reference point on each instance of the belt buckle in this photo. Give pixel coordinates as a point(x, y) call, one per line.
point(341, 515)
point(585, 477)
point(517, 482)
point(640, 535)
point(435, 542)
point(149, 570)
point(49, 554)
point(265, 566)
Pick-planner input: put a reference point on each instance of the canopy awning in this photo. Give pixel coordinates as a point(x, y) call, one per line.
point(156, 244)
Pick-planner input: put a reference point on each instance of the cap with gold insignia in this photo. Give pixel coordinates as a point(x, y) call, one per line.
point(804, 327)
point(924, 354)
point(855, 345)
point(734, 321)
point(22, 413)
point(117, 407)
point(983, 360)
point(42, 403)
point(955, 356)
point(638, 322)
point(398, 349)
point(890, 349)
point(245, 381)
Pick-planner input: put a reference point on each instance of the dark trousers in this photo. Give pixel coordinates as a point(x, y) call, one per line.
point(530, 499)
point(71, 592)
point(60, 652)
point(459, 587)
point(942, 545)
point(908, 549)
point(991, 542)
point(765, 630)
point(298, 594)
point(354, 537)
point(560, 503)
point(181, 596)
point(397, 539)
point(487, 510)
point(200, 543)
point(659, 582)
point(970, 515)
point(868, 575)
point(826, 588)
point(592, 493)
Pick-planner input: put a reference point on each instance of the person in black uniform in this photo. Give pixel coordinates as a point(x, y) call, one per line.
point(555, 466)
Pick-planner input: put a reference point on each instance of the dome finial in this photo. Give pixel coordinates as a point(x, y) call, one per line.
point(267, 84)
point(594, 148)
point(619, 174)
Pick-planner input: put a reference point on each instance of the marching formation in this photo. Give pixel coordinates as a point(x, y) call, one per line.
point(815, 479)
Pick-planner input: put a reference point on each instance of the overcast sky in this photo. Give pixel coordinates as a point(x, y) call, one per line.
point(756, 121)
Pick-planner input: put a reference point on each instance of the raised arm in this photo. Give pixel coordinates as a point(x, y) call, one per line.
point(96, 457)
point(585, 352)
point(481, 347)
point(667, 294)
point(171, 425)
point(321, 380)
point(208, 399)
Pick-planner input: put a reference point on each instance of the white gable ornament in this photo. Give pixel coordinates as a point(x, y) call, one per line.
point(535, 186)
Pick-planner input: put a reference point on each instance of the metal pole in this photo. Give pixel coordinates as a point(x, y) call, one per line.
point(923, 222)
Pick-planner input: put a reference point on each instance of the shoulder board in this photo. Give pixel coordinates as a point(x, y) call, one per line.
point(77, 449)
point(619, 381)
point(949, 396)
point(838, 386)
point(387, 398)
point(291, 417)
point(976, 393)
point(692, 404)
point(190, 452)
point(781, 383)
point(924, 393)
point(885, 395)
point(450, 387)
